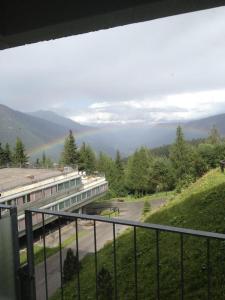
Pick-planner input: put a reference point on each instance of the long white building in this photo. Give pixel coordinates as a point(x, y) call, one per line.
point(48, 189)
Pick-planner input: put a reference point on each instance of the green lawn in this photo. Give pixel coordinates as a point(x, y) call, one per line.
point(200, 206)
point(131, 198)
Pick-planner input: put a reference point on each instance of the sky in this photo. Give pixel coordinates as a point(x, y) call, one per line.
point(158, 71)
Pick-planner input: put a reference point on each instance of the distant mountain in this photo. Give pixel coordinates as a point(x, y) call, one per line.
point(33, 130)
point(45, 130)
point(62, 121)
point(207, 123)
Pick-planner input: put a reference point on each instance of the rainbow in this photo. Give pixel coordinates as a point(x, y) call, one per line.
point(60, 140)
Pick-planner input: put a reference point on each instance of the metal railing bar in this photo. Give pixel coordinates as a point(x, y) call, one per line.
point(114, 261)
point(186, 231)
point(157, 266)
point(181, 266)
point(60, 258)
point(135, 263)
point(78, 261)
point(96, 261)
point(208, 269)
point(3, 206)
point(30, 255)
point(45, 257)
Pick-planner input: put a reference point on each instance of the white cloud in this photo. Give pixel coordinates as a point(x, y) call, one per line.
point(166, 69)
point(178, 107)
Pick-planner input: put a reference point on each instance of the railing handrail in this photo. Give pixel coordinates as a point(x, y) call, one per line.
point(3, 206)
point(166, 228)
point(54, 197)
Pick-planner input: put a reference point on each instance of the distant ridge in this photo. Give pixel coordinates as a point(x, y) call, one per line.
point(62, 121)
point(33, 130)
point(40, 130)
point(208, 123)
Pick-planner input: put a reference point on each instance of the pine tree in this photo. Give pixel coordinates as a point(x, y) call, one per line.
point(70, 266)
point(87, 159)
point(2, 156)
point(120, 176)
point(162, 175)
point(214, 136)
point(138, 171)
point(20, 157)
point(181, 155)
point(70, 153)
point(8, 154)
point(43, 160)
point(107, 166)
point(37, 163)
point(105, 286)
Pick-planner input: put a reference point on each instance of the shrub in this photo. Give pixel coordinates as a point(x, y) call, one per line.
point(70, 266)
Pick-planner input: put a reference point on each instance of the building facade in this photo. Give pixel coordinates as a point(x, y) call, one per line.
point(66, 190)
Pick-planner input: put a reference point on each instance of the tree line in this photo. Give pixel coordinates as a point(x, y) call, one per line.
point(13, 156)
point(145, 171)
point(149, 171)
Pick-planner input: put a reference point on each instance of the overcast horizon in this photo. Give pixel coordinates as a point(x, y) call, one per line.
point(165, 70)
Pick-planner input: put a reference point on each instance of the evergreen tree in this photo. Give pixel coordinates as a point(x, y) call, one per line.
point(43, 160)
point(214, 136)
point(118, 161)
point(2, 156)
point(207, 152)
point(105, 286)
point(162, 175)
point(20, 158)
point(181, 155)
point(37, 163)
point(87, 159)
point(8, 154)
point(107, 166)
point(70, 266)
point(138, 171)
point(70, 153)
point(120, 176)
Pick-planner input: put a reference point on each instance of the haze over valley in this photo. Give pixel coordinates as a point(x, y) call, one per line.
point(45, 131)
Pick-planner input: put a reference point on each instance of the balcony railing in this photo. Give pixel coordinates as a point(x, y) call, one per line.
point(49, 199)
point(48, 288)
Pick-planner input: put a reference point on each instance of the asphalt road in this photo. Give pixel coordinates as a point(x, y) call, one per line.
point(129, 211)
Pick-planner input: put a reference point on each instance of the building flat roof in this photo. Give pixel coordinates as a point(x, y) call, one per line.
point(15, 177)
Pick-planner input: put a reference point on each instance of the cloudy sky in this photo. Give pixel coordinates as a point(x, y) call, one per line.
point(162, 70)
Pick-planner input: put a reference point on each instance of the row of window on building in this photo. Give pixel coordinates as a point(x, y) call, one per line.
point(45, 193)
point(66, 204)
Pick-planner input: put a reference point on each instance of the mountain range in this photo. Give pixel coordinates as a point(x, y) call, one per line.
point(46, 131)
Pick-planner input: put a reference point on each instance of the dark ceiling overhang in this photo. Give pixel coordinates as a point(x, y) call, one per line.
point(26, 21)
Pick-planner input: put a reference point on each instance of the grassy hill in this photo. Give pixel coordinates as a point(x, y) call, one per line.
point(201, 206)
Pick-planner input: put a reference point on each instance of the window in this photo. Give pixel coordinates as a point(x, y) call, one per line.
point(61, 205)
point(72, 182)
point(74, 200)
point(66, 185)
point(67, 203)
point(60, 187)
point(28, 197)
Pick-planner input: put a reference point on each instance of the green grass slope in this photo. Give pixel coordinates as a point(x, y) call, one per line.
point(201, 206)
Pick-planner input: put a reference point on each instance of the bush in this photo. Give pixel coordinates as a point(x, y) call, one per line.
point(105, 288)
point(70, 266)
point(184, 183)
